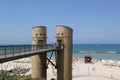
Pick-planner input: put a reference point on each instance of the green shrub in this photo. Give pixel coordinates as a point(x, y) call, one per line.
point(4, 75)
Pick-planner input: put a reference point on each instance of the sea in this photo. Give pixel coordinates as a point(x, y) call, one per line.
point(97, 51)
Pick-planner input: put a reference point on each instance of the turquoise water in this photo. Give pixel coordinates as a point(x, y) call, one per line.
point(97, 51)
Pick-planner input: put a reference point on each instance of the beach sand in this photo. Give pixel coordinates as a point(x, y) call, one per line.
point(98, 68)
point(91, 78)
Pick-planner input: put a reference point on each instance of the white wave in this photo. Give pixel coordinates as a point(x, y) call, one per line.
point(109, 52)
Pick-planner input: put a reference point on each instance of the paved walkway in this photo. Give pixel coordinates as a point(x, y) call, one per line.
point(91, 78)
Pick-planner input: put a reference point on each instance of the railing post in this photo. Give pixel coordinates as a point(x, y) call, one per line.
point(13, 50)
point(19, 50)
point(56, 58)
point(29, 48)
point(38, 47)
point(24, 50)
point(5, 51)
point(33, 47)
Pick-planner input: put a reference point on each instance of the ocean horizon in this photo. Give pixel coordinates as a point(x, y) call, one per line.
point(97, 51)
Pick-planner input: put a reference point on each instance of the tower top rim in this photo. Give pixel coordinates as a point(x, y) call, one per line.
point(64, 26)
point(39, 27)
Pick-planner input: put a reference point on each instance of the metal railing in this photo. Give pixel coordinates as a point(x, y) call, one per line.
point(14, 50)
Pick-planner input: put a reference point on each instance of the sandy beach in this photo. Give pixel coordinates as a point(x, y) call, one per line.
point(99, 68)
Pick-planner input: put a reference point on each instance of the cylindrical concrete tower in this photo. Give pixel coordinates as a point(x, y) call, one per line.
point(39, 60)
point(64, 57)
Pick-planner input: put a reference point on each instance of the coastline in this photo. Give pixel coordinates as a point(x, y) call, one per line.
point(97, 52)
point(101, 68)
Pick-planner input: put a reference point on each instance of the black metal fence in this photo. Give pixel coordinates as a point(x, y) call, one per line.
point(22, 49)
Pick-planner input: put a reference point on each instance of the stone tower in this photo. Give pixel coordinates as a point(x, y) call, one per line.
point(39, 36)
point(64, 57)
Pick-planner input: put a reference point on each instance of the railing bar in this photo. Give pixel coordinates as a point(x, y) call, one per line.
point(5, 51)
point(50, 57)
point(51, 63)
point(13, 50)
point(56, 57)
point(24, 49)
point(29, 48)
point(19, 50)
point(33, 48)
point(37, 47)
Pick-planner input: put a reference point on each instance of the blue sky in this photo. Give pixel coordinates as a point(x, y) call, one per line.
point(93, 21)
